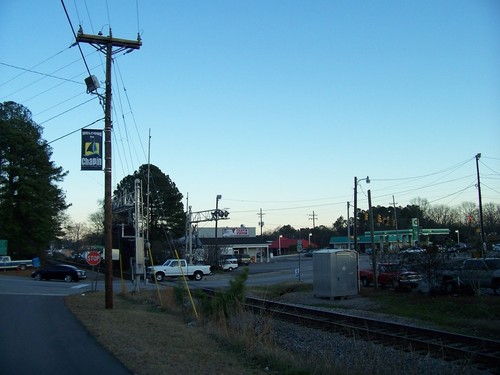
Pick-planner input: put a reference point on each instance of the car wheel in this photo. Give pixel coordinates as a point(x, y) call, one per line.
point(198, 276)
point(230, 269)
point(38, 277)
point(159, 276)
point(365, 282)
point(68, 278)
point(22, 267)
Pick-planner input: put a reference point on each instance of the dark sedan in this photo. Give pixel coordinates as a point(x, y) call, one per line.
point(60, 272)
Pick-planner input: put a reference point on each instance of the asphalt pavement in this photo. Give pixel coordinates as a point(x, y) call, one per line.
point(40, 336)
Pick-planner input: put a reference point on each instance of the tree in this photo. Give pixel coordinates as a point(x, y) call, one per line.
point(30, 200)
point(166, 211)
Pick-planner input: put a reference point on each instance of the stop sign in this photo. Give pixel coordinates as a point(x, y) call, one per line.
point(93, 258)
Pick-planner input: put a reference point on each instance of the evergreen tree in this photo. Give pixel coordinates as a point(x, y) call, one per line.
point(31, 204)
point(165, 202)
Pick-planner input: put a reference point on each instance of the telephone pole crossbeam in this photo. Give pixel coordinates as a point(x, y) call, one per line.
point(106, 45)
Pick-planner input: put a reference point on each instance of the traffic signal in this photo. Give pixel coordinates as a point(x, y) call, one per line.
point(379, 218)
point(366, 216)
point(220, 214)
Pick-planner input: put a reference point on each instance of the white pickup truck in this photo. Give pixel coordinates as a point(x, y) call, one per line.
point(176, 268)
point(7, 262)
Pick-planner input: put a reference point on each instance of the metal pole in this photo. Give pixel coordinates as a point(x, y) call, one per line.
point(216, 219)
point(355, 214)
point(374, 253)
point(348, 229)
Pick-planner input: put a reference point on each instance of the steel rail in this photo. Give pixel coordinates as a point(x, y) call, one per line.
point(441, 344)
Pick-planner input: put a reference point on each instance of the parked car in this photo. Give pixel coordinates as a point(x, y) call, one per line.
point(496, 247)
point(244, 259)
point(229, 264)
point(413, 250)
point(60, 272)
point(390, 275)
point(458, 248)
point(309, 253)
point(474, 274)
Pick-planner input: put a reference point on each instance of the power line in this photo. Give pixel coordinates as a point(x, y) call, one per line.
point(74, 131)
point(40, 73)
point(74, 34)
point(62, 113)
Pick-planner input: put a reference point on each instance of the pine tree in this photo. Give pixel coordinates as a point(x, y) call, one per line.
point(31, 203)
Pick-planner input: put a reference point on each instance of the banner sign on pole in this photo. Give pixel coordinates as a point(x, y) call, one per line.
point(91, 150)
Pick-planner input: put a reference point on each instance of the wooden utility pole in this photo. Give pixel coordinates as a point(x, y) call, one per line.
point(481, 226)
point(106, 44)
point(374, 252)
point(313, 218)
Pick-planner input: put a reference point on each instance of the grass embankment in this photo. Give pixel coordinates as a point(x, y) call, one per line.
point(159, 338)
point(159, 333)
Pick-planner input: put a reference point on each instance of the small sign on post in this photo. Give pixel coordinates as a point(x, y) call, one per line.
point(299, 246)
point(93, 258)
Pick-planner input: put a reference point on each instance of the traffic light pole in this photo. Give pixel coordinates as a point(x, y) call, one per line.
point(99, 42)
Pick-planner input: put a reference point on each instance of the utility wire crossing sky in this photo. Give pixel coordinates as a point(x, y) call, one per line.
point(273, 105)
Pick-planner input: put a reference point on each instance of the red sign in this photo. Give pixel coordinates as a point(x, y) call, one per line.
point(93, 258)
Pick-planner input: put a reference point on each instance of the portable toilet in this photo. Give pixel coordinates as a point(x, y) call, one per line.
point(335, 273)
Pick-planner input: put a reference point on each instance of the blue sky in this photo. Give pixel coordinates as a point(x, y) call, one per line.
point(275, 105)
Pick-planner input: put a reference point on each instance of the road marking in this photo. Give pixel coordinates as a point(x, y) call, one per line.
point(80, 286)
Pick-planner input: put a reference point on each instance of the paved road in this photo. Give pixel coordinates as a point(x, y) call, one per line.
point(40, 336)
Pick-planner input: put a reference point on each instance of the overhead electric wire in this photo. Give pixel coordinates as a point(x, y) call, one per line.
point(74, 34)
point(34, 66)
point(40, 73)
point(74, 131)
point(426, 175)
point(58, 104)
point(62, 113)
point(40, 79)
point(131, 112)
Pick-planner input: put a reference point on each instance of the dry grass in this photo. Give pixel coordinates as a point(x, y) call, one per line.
point(150, 340)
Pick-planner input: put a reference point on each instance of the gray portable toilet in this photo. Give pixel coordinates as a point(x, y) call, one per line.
point(335, 273)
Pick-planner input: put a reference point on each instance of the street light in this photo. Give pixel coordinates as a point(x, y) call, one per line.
point(355, 229)
point(310, 234)
point(458, 236)
point(279, 242)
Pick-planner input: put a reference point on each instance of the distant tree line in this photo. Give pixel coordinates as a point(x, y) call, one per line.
point(464, 218)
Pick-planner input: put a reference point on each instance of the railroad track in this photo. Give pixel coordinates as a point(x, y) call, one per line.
point(441, 344)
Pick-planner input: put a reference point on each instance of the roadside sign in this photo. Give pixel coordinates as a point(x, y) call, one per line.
point(93, 258)
point(299, 246)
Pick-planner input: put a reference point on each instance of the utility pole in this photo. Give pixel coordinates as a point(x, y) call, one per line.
point(374, 252)
point(355, 215)
point(395, 221)
point(261, 223)
point(483, 242)
point(313, 218)
point(348, 228)
point(106, 44)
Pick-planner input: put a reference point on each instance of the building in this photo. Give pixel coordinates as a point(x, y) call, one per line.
point(391, 239)
point(236, 240)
